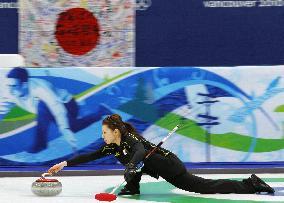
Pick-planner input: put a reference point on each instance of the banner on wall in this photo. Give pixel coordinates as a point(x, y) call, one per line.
point(210, 33)
point(102, 33)
point(9, 27)
point(77, 33)
point(226, 115)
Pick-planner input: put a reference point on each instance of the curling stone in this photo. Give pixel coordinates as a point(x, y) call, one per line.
point(46, 186)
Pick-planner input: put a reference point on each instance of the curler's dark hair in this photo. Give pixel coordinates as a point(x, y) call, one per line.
point(114, 121)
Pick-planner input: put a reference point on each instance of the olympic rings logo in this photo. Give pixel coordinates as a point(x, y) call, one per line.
point(143, 5)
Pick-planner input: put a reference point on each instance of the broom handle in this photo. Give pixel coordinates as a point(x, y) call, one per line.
point(114, 189)
point(155, 148)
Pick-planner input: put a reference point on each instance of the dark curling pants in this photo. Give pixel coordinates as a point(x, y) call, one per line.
point(173, 171)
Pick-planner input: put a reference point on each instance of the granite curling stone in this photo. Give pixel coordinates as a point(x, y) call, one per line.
point(46, 187)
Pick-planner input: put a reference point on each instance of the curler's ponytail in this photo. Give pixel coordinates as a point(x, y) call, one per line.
point(130, 128)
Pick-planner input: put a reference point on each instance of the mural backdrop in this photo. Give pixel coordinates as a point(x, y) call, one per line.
point(226, 115)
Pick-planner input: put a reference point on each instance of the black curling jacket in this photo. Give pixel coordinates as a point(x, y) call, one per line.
point(132, 149)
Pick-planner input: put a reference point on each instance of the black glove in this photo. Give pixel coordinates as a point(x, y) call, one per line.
point(129, 172)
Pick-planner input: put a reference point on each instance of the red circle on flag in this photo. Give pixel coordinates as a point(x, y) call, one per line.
point(77, 31)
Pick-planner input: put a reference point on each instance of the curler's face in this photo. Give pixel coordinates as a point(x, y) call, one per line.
point(109, 135)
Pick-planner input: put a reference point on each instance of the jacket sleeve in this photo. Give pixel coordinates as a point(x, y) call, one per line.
point(103, 151)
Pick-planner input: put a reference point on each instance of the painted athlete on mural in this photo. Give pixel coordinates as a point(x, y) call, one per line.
point(228, 115)
point(51, 105)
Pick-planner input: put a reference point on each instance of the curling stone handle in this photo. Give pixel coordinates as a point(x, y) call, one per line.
point(45, 174)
